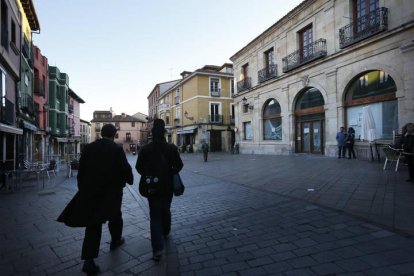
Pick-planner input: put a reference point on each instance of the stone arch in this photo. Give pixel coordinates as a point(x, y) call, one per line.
point(363, 68)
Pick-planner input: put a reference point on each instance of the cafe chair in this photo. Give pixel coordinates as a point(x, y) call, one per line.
point(392, 155)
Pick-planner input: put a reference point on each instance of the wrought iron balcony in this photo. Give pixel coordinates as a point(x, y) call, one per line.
point(216, 92)
point(39, 87)
point(27, 104)
point(163, 107)
point(4, 37)
point(70, 108)
point(364, 27)
point(268, 73)
point(177, 122)
point(7, 112)
point(244, 84)
point(313, 51)
point(216, 118)
point(177, 100)
point(26, 48)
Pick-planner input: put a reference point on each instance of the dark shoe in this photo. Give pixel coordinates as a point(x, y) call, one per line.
point(89, 267)
point(156, 258)
point(115, 244)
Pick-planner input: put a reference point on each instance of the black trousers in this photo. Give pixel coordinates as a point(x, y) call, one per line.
point(350, 148)
point(93, 233)
point(410, 164)
point(160, 220)
point(341, 151)
point(205, 154)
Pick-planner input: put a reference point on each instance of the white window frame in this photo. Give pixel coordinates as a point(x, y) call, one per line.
point(218, 86)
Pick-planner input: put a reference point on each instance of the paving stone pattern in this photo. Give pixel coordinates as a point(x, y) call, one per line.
point(240, 215)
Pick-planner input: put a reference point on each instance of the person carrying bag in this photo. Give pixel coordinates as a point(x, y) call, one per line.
point(157, 163)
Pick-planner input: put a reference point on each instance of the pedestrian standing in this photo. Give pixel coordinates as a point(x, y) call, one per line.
point(340, 139)
point(409, 151)
point(350, 140)
point(157, 162)
point(205, 149)
point(103, 172)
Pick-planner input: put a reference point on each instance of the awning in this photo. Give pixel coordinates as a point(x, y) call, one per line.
point(11, 129)
point(29, 126)
point(187, 130)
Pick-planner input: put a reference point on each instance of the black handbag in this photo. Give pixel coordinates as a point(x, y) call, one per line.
point(149, 185)
point(178, 185)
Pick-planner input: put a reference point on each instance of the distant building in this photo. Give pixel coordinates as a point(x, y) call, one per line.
point(26, 109)
point(85, 133)
point(58, 111)
point(200, 107)
point(132, 131)
point(74, 136)
point(41, 102)
point(153, 97)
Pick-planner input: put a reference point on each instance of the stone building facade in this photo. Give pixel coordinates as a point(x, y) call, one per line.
point(324, 65)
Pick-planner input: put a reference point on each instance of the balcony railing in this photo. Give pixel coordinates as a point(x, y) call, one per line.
point(163, 107)
point(268, 73)
point(177, 100)
point(364, 27)
point(313, 51)
point(244, 84)
point(39, 88)
point(4, 37)
point(215, 93)
point(216, 118)
point(26, 48)
point(27, 104)
point(7, 112)
point(177, 122)
point(128, 139)
point(70, 108)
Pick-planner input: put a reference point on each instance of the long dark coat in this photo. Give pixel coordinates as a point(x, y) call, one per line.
point(103, 172)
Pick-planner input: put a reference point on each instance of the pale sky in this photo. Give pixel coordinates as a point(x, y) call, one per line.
point(115, 52)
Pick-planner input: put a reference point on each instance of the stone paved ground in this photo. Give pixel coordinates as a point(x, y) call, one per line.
point(240, 215)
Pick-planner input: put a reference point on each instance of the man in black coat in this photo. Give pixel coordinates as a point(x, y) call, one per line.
point(103, 172)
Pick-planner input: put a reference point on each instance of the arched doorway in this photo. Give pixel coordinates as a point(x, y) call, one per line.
point(310, 122)
point(375, 89)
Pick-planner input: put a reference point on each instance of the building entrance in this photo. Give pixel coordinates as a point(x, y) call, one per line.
point(310, 122)
point(310, 136)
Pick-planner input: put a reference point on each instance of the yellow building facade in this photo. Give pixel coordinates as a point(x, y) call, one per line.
point(200, 108)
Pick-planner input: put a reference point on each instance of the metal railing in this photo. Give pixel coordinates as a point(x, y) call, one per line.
point(177, 122)
point(244, 84)
point(7, 112)
point(216, 118)
point(363, 27)
point(267, 73)
point(4, 37)
point(39, 87)
point(313, 51)
point(215, 93)
point(27, 103)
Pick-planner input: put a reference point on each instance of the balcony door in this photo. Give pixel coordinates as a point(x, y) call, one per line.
point(365, 14)
point(306, 43)
point(215, 111)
